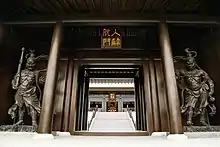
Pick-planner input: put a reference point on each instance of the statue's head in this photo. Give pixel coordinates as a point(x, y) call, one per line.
point(190, 61)
point(30, 64)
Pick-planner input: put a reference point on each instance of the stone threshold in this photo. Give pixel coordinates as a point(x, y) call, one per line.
point(86, 133)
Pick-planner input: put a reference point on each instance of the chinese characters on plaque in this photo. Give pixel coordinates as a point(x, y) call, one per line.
point(110, 39)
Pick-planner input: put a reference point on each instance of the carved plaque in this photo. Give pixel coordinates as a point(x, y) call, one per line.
point(110, 39)
point(112, 104)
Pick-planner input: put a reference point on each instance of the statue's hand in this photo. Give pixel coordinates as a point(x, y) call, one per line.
point(15, 81)
point(211, 92)
point(42, 80)
point(17, 75)
point(212, 99)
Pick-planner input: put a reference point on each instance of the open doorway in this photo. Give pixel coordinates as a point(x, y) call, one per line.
point(111, 94)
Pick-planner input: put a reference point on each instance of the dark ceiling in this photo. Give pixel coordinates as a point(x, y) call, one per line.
point(58, 7)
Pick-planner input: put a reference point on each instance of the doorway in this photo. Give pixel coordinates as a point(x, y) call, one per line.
point(113, 101)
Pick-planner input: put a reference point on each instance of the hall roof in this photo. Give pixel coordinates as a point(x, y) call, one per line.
point(24, 9)
point(111, 84)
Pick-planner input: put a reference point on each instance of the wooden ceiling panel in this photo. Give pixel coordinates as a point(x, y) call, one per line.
point(40, 5)
point(123, 4)
point(36, 7)
point(58, 6)
point(98, 4)
point(144, 5)
point(184, 6)
point(50, 5)
point(115, 6)
point(82, 4)
point(65, 4)
point(73, 4)
point(91, 4)
point(131, 5)
point(105, 6)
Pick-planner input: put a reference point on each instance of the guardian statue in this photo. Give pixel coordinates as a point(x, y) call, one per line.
point(196, 89)
point(27, 82)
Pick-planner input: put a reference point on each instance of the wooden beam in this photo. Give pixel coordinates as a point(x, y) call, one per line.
point(125, 18)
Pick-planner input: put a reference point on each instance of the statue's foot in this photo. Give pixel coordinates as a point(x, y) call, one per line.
point(203, 123)
point(189, 123)
point(34, 124)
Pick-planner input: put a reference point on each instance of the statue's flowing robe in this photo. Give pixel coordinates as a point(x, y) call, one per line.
point(196, 99)
point(194, 90)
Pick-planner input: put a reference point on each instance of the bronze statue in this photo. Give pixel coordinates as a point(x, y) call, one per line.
point(196, 89)
point(27, 83)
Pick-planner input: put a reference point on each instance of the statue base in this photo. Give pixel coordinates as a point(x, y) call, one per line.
point(17, 128)
point(201, 128)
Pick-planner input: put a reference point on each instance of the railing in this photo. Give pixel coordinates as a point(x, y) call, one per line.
point(93, 116)
point(131, 116)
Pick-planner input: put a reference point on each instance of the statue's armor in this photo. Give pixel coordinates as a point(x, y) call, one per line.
point(193, 79)
point(27, 91)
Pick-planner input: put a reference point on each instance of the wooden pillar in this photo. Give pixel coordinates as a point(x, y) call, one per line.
point(143, 110)
point(137, 107)
point(171, 86)
point(155, 106)
point(46, 115)
point(162, 97)
point(68, 96)
point(73, 107)
point(140, 104)
point(147, 98)
point(86, 101)
point(80, 100)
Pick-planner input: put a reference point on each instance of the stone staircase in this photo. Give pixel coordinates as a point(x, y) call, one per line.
point(112, 122)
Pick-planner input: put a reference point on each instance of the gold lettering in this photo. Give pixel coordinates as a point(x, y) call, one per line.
point(118, 42)
point(104, 40)
point(111, 40)
point(113, 44)
point(106, 32)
